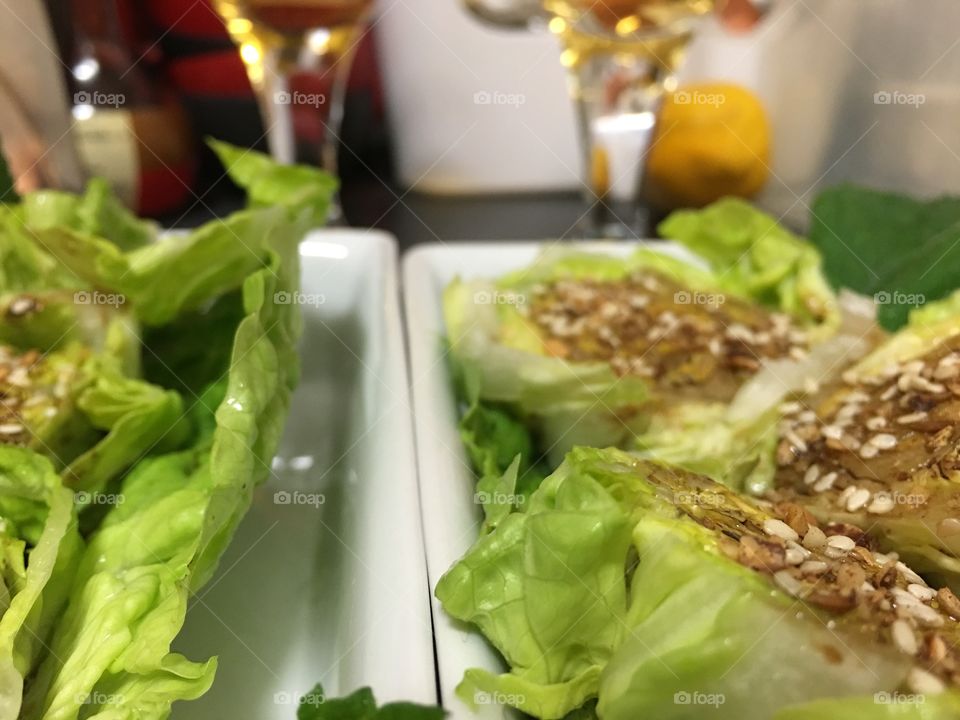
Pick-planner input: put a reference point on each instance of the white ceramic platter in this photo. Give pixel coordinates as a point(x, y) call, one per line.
point(325, 580)
point(451, 517)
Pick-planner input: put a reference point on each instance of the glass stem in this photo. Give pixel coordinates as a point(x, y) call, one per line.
point(272, 85)
point(617, 113)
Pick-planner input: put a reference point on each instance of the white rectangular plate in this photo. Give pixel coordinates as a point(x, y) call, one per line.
point(451, 517)
point(325, 580)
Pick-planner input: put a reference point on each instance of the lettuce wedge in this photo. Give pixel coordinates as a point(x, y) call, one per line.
point(661, 593)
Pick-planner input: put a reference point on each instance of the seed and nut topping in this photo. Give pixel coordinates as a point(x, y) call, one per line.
point(702, 344)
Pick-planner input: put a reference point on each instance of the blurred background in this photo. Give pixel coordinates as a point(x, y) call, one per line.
point(449, 119)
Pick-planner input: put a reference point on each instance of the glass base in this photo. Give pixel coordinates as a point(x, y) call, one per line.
point(616, 220)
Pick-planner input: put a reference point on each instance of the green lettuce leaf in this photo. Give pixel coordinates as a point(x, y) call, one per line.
point(500, 448)
point(177, 513)
point(546, 588)
point(98, 212)
point(757, 257)
point(898, 249)
point(36, 507)
point(360, 705)
point(300, 188)
point(882, 706)
point(139, 419)
point(616, 584)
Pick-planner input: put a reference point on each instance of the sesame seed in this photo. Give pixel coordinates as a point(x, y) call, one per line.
point(778, 528)
point(807, 416)
point(795, 556)
point(847, 492)
point(946, 372)
point(814, 567)
point(881, 504)
point(903, 598)
point(903, 637)
point(869, 451)
point(912, 418)
point(878, 422)
point(921, 592)
point(883, 441)
point(914, 367)
point(889, 393)
point(811, 475)
point(841, 542)
point(848, 411)
point(925, 615)
point(909, 575)
point(832, 432)
point(825, 483)
point(811, 386)
point(11, 429)
point(788, 582)
point(850, 377)
point(815, 538)
point(924, 385)
point(795, 440)
point(923, 682)
point(790, 408)
point(858, 499)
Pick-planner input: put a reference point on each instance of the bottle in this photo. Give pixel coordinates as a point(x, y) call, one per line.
point(129, 128)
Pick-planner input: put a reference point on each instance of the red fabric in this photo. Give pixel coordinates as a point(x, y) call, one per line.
point(186, 17)
point(214, 74)
point(164, 189)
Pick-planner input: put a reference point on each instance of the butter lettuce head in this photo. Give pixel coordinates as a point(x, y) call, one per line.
point(136, 467)
point(608, 589)
point(757, 257)
point(743, 253)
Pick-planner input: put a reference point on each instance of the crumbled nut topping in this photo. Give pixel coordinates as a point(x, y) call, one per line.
point(648, 325)
point(831, 569)
point(23, 396)
point(872, 444)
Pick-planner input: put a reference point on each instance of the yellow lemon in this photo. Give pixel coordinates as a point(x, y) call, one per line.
point(712, 140)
